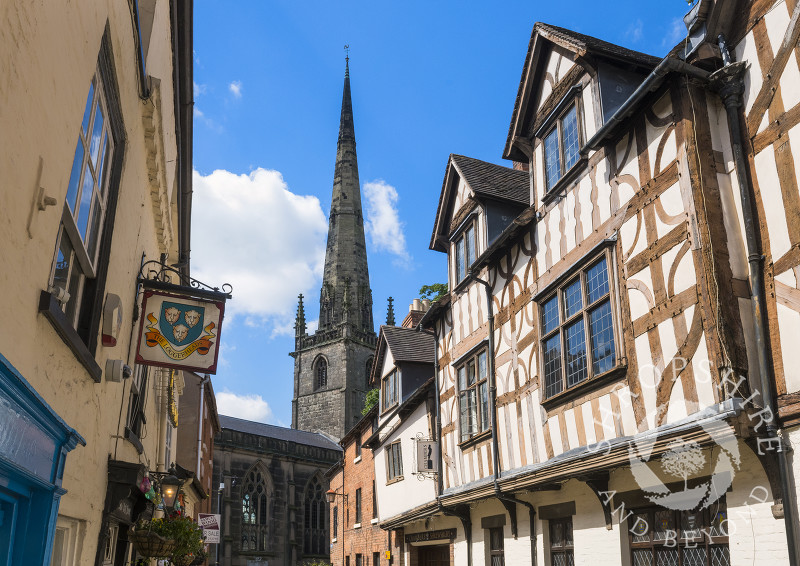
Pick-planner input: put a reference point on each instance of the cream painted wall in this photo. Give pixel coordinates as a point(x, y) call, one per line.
point(410, 492)
point(48, 53)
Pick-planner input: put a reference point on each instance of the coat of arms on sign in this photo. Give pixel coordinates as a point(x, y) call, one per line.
point(179, 332)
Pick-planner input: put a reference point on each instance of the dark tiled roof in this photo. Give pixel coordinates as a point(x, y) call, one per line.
point(588, 44)
point(279, 432)
point(409, 345)
point(492, 180)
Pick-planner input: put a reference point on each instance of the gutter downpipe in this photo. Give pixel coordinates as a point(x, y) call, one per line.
point(495, 448)
point(466, 521)
point(203, 382)
point(728, 84)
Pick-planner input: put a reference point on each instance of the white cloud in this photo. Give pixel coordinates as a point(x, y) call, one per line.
point(249, 407)
point(635, 31)
point(383, 224)
point(675, 33)
point(251, 231)
point(198, 89)
point(236, 88)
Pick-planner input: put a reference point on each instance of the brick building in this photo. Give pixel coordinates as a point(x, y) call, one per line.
point(356, 538)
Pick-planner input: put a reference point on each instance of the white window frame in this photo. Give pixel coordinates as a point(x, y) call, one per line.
point(73, 531)
point(481, 407)
point(388, 401)
point(463, 255)
point(94, 157)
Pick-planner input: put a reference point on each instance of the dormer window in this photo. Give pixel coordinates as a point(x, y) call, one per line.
point(465, 246)
point(562, 145)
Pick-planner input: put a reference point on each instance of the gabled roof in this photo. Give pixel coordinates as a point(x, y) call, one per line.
point(403, 410)
point(406, 345)
point(583, 46)
point(486, 180)
point(278, 432)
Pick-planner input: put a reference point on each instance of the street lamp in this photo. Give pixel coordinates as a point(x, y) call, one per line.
point(170, 486)
point(331, 497)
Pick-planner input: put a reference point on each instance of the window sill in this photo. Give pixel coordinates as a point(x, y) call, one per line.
point(585, 387)
point(48, 306)
point(574, 172)
point(133, 438)
point(357, 526)
point(485, 435)
point(374, 521)
point(387, 409)
point(394, 480)
point(334, 539)
point(357, 459)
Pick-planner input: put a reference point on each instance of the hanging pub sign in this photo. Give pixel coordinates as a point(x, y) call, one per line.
point(179, 325)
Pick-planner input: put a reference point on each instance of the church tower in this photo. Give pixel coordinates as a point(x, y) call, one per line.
point(331, 366)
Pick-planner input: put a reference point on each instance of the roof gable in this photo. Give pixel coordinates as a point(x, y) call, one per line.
point(539, 69)
point(467, 177)
point(404, 345)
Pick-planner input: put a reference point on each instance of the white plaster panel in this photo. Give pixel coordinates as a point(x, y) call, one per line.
point(553, 222)
point(746, 316)
point(569, 219)
point(677, 403)
point(625, 192)
point(630, 167)
point(603, 203)
point(789, 325)
point(538, 425)
point(631, 244)
point(734, 226)
point(787, 278)
point(790, 84)
point(607, 417)
point(648, 377)
point(746, 51)
point(685, 276)
point(672, 203)
point(584, 194)
point(704, 382)
point(555, 436)
point(572, 429)
point(776, 22)
point(638, 300)
point(589, 111)
point(771, 196)
point(629, 424)
point(666, 332)
point(538, 158)
point(588, 422)
point(540, 251)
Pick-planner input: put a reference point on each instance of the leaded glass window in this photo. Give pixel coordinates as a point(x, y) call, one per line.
point(256, 510)
point(577, 323)
point(562, 146)
point(680, 538)
point(315, 534)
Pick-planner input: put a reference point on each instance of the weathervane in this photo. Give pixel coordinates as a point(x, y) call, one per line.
point(347, 53)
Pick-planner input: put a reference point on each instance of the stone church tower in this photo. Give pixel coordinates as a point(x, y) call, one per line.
point(331, 366)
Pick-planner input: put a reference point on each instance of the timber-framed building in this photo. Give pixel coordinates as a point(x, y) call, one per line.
point(617, 372)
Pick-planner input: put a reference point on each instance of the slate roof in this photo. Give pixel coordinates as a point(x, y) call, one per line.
point(493, 180)
point(410, 345)
point(588, 44)
point(279, 432)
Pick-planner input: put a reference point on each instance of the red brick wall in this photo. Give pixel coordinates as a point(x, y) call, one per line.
point(369, 538)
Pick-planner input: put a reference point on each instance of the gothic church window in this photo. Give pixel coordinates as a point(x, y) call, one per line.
point(315, 536)
point(256, 500)
point(321, 374)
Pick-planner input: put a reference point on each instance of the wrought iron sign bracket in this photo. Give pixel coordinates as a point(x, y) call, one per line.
point(156, 274)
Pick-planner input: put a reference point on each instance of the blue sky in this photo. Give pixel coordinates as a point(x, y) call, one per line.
point(428, 79)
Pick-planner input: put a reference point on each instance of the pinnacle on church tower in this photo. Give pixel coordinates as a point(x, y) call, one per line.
point(390, 313)
point(300, 320)
point(346, 275)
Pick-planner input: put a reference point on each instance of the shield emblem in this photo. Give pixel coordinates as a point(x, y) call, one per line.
point(181, 324)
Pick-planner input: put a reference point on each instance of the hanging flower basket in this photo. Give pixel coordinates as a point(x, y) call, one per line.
point(186, 560)
point(151, 545)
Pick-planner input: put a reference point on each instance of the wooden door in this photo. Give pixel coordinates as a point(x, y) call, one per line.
point(438, 555)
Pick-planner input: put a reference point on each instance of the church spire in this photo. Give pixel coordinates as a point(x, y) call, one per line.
point(346, 253)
